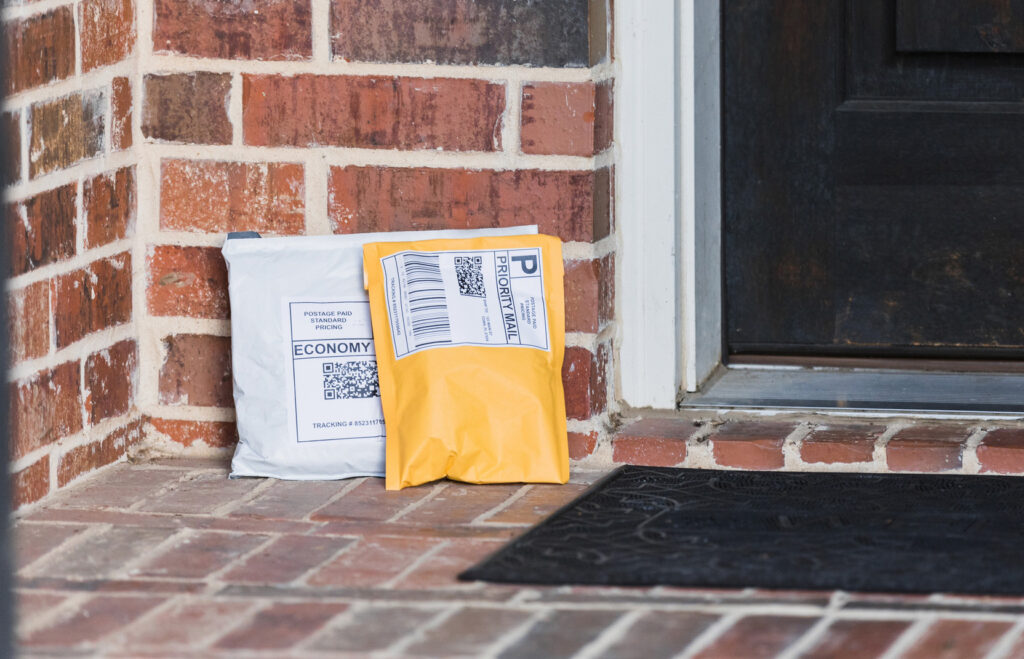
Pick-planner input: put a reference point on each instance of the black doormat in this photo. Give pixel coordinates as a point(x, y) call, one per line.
point(643, 526)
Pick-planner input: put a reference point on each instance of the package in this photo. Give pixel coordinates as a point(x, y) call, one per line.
point(302, 355)
point(470, 340)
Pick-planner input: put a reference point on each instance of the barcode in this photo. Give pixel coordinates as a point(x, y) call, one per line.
point(428, 308)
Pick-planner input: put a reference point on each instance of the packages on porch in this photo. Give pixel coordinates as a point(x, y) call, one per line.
point(303, 356)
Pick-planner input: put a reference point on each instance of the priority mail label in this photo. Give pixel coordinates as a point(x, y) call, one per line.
point(460, 298)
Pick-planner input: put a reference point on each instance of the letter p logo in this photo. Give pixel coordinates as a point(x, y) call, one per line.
point(527, 263)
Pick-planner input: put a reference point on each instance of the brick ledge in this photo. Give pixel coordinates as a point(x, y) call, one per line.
point(870, 445)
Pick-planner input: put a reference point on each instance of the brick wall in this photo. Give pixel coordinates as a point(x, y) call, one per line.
point(71, 202)
point(298, 117)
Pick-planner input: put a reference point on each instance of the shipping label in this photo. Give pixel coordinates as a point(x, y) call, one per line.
point(466, 298)
point(334, 371)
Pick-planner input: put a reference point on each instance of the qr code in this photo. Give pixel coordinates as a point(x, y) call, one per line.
point(470, 274)
point(351, 379)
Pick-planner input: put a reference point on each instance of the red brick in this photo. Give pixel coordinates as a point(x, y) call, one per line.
point(1002, 451)
point(751, 445)
point(277, 30)
point(83, 459)
point(551, 34)
point(926, 448)
point(212, 196)
point(110, 377)
point(198, 554)
point(215, 434)
point(581, 444)
point(31, 483)
point(34, 541)
point(653, 442)
point(123, 486)
point(373, 113)
point(563, 633)
point(109, 205)
point(369, 501)
point(107, 32)
point(201, 494)
point(461, 504)
point(187, 281)
point(196, 371)
point(582, 309)
point(121, 102)
point(66, 131)
point(282, 625)
point(92, 620)
point(28, 321)
point(11, 173)
point(840, 444)
point(954, 639)
point(583, 376)
point(187, 107)
point(290, 499)
point(604, 113)
point(758, 636)
point(93, 298)
point(605, 290)
point(571, 205)
point(441, 568)
point(372, 562)
point(103, 555)
point(286, 559)
point(598, 379)
point(41, 230)
point(45, 408)
point(468, 633)
point(188, 624)
point(857, 638)
point(560, 118)
point(366, 630)
point(39, 50)
point(661, 634)
point(31, 604)
point(538, 502)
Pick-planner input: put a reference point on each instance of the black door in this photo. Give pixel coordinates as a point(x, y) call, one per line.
point(874, 177)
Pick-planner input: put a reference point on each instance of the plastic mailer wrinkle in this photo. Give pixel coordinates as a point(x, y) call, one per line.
point(470, 340)
point(307, 399)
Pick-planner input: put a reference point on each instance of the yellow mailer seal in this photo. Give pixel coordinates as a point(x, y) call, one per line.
point(470, 339)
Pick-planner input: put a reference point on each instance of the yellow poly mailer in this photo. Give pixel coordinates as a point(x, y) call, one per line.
point(470, 339)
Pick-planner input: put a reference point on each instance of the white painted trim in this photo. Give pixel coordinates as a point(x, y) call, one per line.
point(646, 206)
point(668, 200)
point(700, 190)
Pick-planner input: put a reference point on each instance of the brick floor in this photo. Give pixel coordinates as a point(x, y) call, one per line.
point(179, 561)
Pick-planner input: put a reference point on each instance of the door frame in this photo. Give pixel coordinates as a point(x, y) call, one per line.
point(668, 198)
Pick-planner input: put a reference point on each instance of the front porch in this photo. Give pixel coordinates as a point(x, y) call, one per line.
point(167, 557)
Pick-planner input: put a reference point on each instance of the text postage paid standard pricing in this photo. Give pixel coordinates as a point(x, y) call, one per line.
point(466, 298)
point(334, 371)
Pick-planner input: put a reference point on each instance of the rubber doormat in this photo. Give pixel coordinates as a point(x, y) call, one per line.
point(643, 526)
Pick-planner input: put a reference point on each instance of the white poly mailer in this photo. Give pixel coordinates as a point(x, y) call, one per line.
point(302, 354)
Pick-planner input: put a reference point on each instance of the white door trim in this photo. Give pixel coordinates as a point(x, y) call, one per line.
point(667, 197)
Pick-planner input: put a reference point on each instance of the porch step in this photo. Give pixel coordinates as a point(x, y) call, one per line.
point(817, 445)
